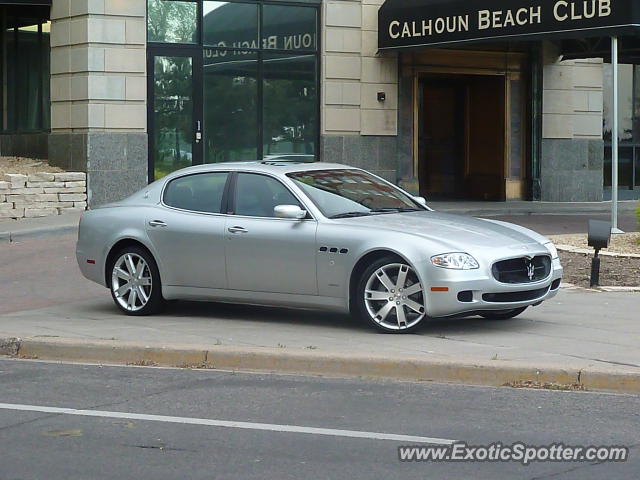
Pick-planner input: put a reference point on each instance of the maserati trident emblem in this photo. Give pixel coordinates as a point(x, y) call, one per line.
point(531, 270)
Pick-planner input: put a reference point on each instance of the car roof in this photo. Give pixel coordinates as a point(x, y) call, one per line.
point(273, 166)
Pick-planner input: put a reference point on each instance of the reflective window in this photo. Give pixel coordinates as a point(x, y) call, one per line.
point(352, 193)
point(231, 105)
point(258, 195)
point(172, 21)
point(173, 114)
point(290, 104)
point(198, 193)
point(230, 24)
point(628, 125)
point(25, 91)
point(289, 28)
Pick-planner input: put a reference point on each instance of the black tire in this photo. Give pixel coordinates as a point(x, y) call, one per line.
point(358, 304)
point(155, 300)
point(504, 314)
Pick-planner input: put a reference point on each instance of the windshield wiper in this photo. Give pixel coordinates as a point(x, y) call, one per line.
point(394, 210)
point(351, 215)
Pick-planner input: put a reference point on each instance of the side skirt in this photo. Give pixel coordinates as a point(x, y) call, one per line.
point(284, 300)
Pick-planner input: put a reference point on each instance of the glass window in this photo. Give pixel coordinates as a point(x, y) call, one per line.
point(231, 105)
point(286, 27)
point(198, 193)
point(290, 104)
point(172, 21)
point(25, 66)
point(258, 195)
point(230, 24)
point(173, 114)
point(629, 104)
point(517, 127)
point(28, 73)
point(352, 193)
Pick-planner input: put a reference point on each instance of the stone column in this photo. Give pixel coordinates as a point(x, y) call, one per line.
point(572, 160)
point(357, 128)
point(98, 94)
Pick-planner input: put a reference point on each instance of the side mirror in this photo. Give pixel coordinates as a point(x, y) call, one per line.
point(292, 212)
point(421, 200)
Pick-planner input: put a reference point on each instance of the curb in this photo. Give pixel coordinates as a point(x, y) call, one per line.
point(9, 237)
point(587, 251)
point(268, 360)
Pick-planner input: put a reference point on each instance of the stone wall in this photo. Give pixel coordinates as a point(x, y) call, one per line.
point(42, 194)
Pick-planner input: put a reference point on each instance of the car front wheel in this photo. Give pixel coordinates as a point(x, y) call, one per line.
point(135, 282)
point(390, 296)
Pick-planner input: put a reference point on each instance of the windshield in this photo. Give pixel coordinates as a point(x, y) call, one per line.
point(352, 193)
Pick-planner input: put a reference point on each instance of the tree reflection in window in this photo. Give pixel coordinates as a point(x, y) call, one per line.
point(173, 108)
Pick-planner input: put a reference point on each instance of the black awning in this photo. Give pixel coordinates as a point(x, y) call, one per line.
point(433, 23)
point(26, 2)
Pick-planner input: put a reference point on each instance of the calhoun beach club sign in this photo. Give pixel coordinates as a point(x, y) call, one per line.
point(406, 23)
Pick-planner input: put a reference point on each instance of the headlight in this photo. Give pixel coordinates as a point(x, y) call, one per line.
point(552, 249)
point(455, 261)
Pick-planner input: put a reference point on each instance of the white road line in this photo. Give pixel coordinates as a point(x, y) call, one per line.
point(229, 424)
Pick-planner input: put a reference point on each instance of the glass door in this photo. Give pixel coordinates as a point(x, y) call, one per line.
point(175, 116)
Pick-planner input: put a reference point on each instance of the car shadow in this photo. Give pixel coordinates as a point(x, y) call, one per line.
point(262, 314)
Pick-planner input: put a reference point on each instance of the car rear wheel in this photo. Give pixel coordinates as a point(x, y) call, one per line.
point(390, 296)
point(504, 314)
point(135, 282)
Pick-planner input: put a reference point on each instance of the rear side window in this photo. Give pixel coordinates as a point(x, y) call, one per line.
point(199, 193)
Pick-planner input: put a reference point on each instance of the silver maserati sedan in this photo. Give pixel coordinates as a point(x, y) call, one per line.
point(314, 236)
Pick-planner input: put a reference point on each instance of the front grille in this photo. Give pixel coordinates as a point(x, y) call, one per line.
point(522, 270)
point(511, 297)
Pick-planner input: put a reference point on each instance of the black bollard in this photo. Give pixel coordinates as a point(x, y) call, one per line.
point(599, 237)
point(595, 269)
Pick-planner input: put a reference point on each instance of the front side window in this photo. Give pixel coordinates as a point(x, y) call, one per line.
point(352, 193)
point(258, 195)
point(198, 193)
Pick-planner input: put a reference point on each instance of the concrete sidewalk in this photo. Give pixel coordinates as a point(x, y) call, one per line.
point(581, 337)
point(28, 228)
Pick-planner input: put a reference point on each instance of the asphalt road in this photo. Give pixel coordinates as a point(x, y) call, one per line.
point(36, 445)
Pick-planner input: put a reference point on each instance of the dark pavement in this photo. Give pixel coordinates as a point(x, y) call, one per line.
point(37, 446)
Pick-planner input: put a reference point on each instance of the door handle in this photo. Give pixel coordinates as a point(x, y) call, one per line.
point(157, 223)
point(238, 230)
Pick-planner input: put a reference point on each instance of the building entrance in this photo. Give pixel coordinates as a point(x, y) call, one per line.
point(462, 152)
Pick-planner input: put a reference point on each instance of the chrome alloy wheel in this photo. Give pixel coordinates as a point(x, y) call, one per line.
point(393, 297)
point(131, 282)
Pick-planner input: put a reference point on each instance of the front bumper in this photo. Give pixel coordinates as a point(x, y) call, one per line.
point(467, 291)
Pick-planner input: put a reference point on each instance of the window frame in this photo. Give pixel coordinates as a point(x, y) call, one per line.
point(224, 202)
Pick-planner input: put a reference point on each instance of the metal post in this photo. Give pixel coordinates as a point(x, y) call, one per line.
point(614, 140)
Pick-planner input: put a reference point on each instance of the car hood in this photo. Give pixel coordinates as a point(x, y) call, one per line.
point(453, 230)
